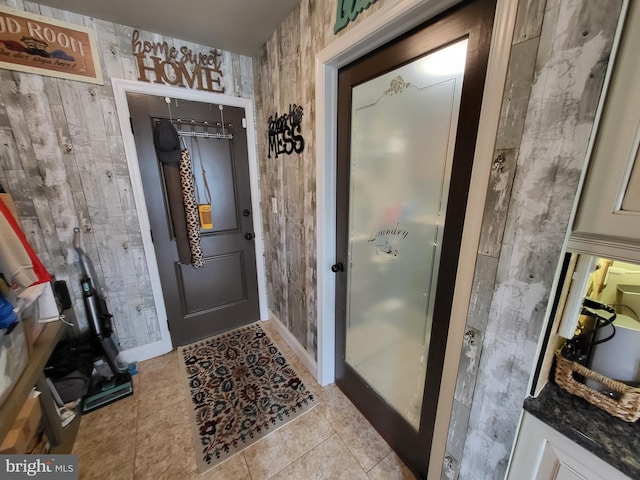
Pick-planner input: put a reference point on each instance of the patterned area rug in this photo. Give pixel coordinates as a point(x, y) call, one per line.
point(241, 388)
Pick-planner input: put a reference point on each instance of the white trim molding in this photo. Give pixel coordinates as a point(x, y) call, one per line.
point(145, 352)
point(376, 30)
point(301, 352)
point(120, 88)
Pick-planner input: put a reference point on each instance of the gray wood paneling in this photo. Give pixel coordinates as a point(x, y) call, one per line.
point(496, 207)
point(528, 20)
point(63, 161)
point(575, 42)
point(455, 441)
point(516, 95)
point(72, 171)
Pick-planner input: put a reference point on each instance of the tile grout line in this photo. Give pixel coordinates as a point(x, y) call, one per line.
point(357, 462)
point(379, 462)
point(304, 454)
point(347, 445)
point(246, 464)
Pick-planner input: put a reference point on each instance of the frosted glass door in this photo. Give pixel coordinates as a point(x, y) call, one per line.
point(403, 132)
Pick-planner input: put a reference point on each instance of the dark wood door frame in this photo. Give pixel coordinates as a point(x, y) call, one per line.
point(121, 87)
point(472, 20)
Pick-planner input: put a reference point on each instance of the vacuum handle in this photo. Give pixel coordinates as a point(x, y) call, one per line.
point(86, 265)
point(76, 238)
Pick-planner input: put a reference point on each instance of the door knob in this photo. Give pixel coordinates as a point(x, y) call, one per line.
point(246, 213)
point(338, 267)
point(248, 236)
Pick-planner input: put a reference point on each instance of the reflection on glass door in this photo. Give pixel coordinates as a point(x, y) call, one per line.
point(403, 130)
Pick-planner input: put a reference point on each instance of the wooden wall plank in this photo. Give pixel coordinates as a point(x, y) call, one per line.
point(108, 43)
point(308, 168)
point(516, 95)
point(4, 117)
point(528, 20)
point(8, 151)
point(246, 89)
point(503, 172)
point(123, 38)
point(455, 440)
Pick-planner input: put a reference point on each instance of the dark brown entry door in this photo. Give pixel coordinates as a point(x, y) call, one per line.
point(407, 123)
point(223, 294)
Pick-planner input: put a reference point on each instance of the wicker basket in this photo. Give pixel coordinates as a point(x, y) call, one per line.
point(627, 407)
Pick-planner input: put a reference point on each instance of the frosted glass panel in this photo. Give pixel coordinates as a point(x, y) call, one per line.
point(402, 138)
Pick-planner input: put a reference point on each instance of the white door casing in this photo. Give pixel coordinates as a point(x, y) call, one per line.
point(120, 89)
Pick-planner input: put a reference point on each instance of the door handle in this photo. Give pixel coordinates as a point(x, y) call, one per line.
point(338, 267)
point(248, 236)
point(246, 213)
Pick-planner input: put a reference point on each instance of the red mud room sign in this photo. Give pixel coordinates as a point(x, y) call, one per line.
point(34, 44)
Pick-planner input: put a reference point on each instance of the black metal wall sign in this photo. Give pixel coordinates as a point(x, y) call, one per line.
point(177, 66)
point(348, 10)
point(285, 132)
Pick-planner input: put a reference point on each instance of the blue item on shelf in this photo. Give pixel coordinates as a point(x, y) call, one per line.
point(7, 316)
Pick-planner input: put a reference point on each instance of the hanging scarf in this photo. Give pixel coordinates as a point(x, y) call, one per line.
point(191, 209)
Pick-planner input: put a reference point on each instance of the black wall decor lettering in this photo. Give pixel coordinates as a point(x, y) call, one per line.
point(285, 132)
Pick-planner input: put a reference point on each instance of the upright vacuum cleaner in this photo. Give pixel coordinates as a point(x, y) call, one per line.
point(110, 380)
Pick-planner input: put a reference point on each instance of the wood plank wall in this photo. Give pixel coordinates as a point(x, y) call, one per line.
point(544, 139)
point(285, 75)
point(558, 59)
point(62, 159)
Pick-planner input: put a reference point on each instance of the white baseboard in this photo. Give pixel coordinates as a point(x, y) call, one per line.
point(145, 352)
point(295, 345)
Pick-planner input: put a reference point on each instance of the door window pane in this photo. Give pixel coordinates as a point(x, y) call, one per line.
point(402, 139)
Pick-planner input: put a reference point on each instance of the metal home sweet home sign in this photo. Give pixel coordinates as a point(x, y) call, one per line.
point(160, 63)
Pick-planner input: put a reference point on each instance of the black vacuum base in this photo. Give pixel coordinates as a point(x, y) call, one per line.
point(103, 392)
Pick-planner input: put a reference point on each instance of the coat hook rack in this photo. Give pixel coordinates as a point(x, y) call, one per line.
point(206, 130)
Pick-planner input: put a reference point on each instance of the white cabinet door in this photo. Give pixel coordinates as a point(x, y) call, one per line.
point(607, 222)
point(541, 453)
point(556, 465)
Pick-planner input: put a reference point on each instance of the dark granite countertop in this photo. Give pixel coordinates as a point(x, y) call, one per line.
point(613, 440)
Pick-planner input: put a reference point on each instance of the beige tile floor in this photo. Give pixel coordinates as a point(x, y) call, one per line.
point(148, 436)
